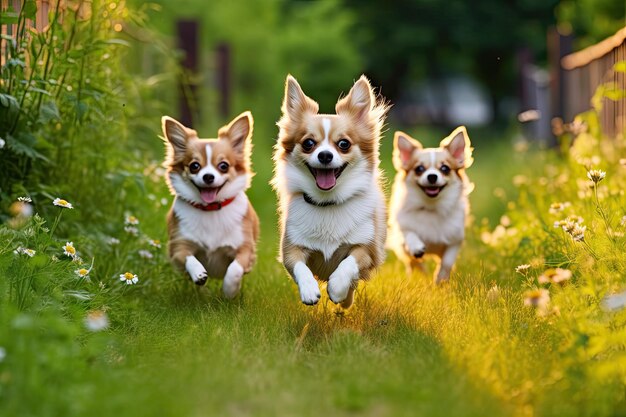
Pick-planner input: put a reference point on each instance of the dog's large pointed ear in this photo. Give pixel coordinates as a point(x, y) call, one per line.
point(239, 131)
point(459, 146)
point(359, 101)
point(296, 103)
point(175, 133)
point(403, 148)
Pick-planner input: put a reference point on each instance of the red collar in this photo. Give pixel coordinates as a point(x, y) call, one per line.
point(214, 206)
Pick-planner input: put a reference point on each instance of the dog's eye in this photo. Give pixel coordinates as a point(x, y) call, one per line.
point(223, 166)
point(344, 145)
point(194, 167)
point(420, 170)
point(444, 169)
point(308, 145)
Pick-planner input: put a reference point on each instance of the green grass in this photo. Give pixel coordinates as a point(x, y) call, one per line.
point(405, 348)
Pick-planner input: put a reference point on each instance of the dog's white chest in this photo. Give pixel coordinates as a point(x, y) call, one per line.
point(213, 229)
point(327, 228)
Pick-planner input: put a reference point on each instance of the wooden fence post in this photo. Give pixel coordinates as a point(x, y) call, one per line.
point(187, 35)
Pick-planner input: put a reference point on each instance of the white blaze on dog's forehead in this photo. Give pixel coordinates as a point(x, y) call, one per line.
point(209, 154)
point(326, 126)
point(432, 158)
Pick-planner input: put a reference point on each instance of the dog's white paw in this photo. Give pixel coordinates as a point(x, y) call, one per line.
point(442, 276)
point(232, 280)
point(414, 246)
point(307, 284)
point(341, 280)
point(195, 270)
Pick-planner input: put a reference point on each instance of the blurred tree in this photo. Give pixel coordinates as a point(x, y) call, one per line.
point(408, 39)
point(591, 20)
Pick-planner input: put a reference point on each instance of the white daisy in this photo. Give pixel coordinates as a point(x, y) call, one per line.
point(96, 321)
point(129, 277)
point(62, 203)
point(69, 250)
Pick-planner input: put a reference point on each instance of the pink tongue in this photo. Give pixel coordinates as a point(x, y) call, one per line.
point(432, 191)
point(325, 178)
point(208, 195)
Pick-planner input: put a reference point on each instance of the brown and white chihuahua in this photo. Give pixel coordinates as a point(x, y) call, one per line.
point(332, 208)
point(429, 201)
point(213, 228)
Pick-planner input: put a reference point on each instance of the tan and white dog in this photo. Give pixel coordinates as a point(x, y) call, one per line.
point(212, 226)
point(327, 178)
point(429, 201)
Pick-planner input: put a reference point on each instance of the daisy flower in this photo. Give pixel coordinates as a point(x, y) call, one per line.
point(157, 243)
point(69, 250)
point(558, 207)
point(131, 230)
point(24, 251)
point(537, 297)
point(129, 277)
point(522, 269)
point(83, 272)
point(62, 203)
point(578, 232)
point(596, 175)
point(96, 320)
point(146, 254)
point(132, 220)
point(555, 276)
point(25, 199)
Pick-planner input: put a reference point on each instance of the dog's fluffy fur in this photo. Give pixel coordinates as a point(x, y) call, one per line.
point(429, 201)
point(204, 173)
point(332, 209)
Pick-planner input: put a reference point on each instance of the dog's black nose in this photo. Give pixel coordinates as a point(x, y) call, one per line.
point(432, 178)
point(325, 157)
point(208, 178)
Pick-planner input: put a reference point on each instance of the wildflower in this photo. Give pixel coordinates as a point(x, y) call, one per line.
point(96, 321)
point(69, 250)
point(555, 276)
point(614, 302)
point(24, 251)
point(131, 220)
point(157, 243)
point(131, 230)
point(62, 203)
point(578, 232)
point(83, 272)
point(2, 143)
point(537, 297)
point(558, 207)
point(129, 277)
point(493, 295)
point(146, 254)
point(25, 199)
point(522, 269)
point(596, 175)
point(3, 353)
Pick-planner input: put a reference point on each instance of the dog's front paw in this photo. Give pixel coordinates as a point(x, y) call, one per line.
point(414, 246)
point(442, 277)
point(232, 280)
point(307, 284)
point(196, 270)
point(340, 281)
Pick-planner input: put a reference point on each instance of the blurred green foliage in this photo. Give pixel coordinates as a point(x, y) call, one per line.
point(591, 21)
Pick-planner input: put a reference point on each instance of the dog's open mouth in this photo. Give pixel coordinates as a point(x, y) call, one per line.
point(209, 194)
point(326, 178)
point(432, 191)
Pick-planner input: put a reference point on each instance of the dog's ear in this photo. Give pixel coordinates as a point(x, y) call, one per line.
point(239, 131)
point(459, 146)
point(296, 103)
point(359, 101)
point(403, 148)
point(175, 133)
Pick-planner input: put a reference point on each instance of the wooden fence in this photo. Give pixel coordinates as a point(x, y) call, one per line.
point(584, 71)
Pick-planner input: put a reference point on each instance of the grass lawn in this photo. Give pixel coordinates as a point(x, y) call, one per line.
point(405, 348)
